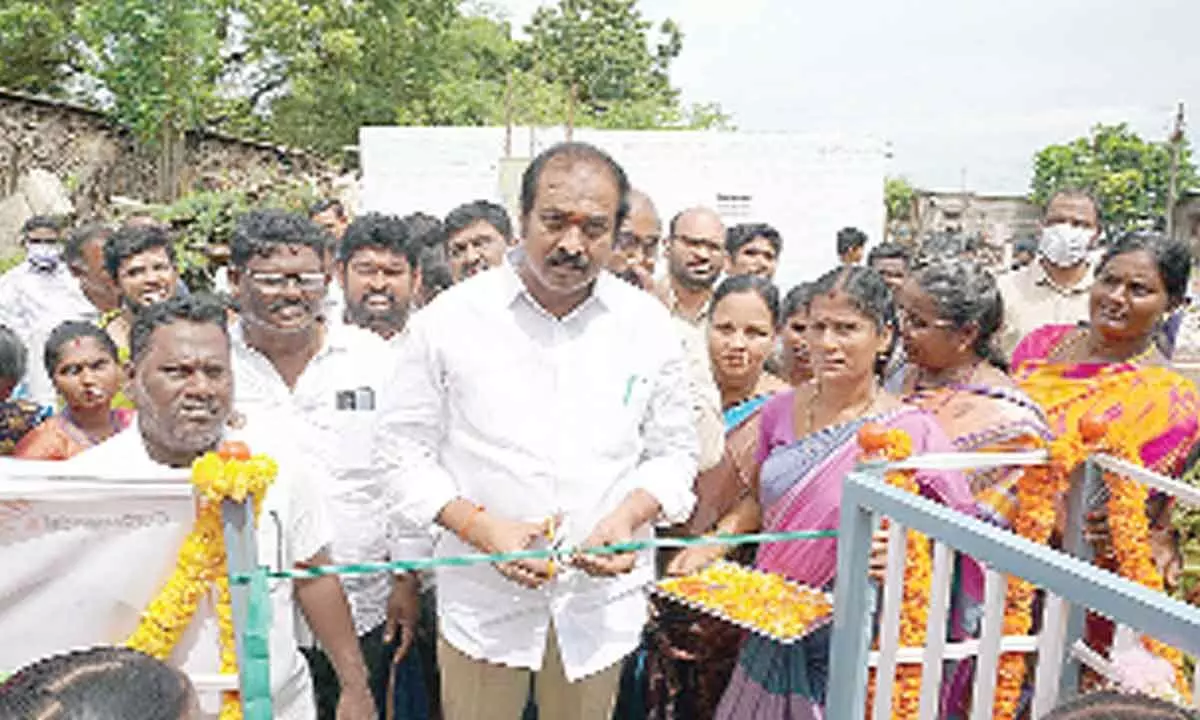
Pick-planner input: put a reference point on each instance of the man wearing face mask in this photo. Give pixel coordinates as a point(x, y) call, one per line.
point(40, 293)
point(1054, 288)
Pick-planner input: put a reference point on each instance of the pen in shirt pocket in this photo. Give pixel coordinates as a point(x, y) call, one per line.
point(629, 388)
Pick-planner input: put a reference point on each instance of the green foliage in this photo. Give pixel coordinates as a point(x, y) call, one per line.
point(898, 197)
point(36, 54)
point(9, 262)
point(310, 73)
point(202, 220)
point(1127, 175)
point(159, 60)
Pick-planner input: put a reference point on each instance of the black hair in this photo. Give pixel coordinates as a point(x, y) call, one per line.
point(575, 152)
point(739, 235)
point(199, 308)
point(78, 238)
point(869, 294)
point(889, 251)
point(102, 683)
point(324, 204)
point(12, 356)
point(737, 284)
point(387, 232)
point(1112, 705)
point(41, 222)
point(131, 240)
point(435, 270)
point(74, 330)
point(467, 214)
point(796, 298)
point(1173, 258)
point(849, 238)
point(258, 233)
point(965, 293)
point(1025, 244)
point(426, 230)
point(1075, 192)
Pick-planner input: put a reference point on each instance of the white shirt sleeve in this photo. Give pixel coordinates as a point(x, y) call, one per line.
point(669, 464)
point(309, 531)
point(412, 428)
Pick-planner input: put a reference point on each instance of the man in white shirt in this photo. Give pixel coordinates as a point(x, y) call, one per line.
point(379, 268)
point(37, 295)
point(323, 380)
point(183, 385)
point(331, 215)
point(477, 235)
point(544, 397)
point(1054, 288)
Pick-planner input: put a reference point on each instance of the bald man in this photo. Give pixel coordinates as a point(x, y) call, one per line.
point(695, 253)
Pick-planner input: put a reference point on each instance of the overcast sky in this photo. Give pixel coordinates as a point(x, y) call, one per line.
point(961, 88)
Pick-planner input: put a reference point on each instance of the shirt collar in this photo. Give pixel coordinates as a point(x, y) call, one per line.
point(513, 287)
point(1042, 278)
point(335, 340)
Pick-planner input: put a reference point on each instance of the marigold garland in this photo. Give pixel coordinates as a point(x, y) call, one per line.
point(1038, 489)
point(893, 445)
point(1129, 529)
point(231, 473)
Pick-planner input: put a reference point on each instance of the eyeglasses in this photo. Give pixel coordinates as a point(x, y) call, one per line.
point(278, 281)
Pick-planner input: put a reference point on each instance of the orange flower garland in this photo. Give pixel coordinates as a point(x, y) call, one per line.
point(878, 442)
point(1129, 529)
point(229, 474)
point(1038, 488)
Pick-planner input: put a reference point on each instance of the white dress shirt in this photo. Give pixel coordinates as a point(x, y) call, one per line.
point(292, 529)
point(331, 415)
point(34, 302)
point(502, 404)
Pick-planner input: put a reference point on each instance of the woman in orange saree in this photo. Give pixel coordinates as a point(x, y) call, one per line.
point(1112, 368)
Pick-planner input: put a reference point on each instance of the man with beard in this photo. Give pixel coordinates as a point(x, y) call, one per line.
point(180, 377)
point(141, 262)
point(323, 381)
point(378, 262)
point(695, 258)
point(477, 234)
point(544, 398)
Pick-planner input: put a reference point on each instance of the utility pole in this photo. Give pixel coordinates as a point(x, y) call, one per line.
point(1176, 145)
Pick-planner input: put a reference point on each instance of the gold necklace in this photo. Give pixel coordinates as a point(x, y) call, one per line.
point(1080, 338)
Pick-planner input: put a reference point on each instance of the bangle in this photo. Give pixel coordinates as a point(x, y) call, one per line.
point(465, 533)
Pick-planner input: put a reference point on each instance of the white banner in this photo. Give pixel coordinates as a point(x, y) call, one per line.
point(80, 557)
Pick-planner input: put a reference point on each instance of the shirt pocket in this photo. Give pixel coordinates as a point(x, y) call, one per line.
point(354, 431)
point(618, 408)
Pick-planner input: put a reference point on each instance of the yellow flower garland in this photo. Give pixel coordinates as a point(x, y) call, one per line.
point(1038, 488)
point(229, 474)
point(893, 446)
point(1129, 529)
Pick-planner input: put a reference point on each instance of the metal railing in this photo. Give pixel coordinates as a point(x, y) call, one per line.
point(1072, 582)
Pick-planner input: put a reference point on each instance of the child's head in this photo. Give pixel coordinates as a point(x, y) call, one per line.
point(1110, 705)
point(81, 360)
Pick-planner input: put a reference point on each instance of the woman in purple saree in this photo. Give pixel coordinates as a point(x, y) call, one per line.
point(809, 438)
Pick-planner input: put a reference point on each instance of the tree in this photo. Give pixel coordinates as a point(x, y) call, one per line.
point(899, 198)
point(36, 53)
point(1128, 176)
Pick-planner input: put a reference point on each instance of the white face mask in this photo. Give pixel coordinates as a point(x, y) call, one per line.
point(1064, 245)
point(43, 256)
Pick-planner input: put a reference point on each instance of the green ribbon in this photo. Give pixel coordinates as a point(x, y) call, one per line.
point(256, 646)
point(551, 553)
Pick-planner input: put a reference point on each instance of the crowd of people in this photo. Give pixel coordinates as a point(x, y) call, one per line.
point(435, 387)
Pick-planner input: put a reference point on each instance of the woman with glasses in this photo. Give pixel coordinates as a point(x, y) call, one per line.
point(950, 312)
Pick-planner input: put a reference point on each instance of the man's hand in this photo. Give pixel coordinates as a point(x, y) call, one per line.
point(617, 527)
point(694, 559)
point(403, 612)
point(497, 535)
point(356, 703)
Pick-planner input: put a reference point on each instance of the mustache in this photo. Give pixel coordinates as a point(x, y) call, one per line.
point(563, 259)
point(284, 304)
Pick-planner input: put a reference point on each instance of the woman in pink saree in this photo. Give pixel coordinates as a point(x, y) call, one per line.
point(808, 444)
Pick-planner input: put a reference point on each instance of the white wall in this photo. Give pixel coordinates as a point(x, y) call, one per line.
point(806, 186)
